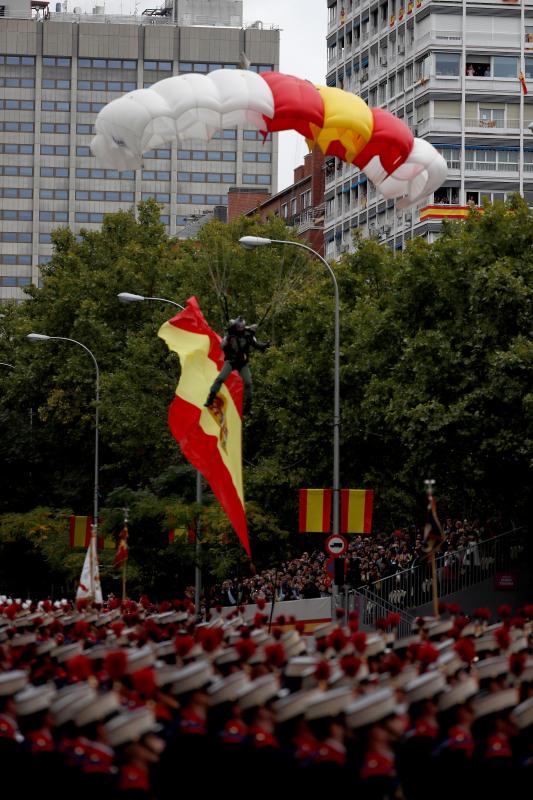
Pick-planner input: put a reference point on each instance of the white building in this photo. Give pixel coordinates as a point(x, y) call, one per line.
point(451, 70)
point(57, 70)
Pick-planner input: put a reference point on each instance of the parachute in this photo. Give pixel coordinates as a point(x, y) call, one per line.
point(338, 122)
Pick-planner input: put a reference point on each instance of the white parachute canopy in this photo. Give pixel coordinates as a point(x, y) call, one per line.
point(178, 108)
point(423, 172)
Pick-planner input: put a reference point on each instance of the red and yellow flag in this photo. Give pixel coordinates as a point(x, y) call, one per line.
point(80, 531)
point(356, 510)
point(182, 534)
point(522, 79)
point(315, 511)
point(210, 438)
point(122, 550)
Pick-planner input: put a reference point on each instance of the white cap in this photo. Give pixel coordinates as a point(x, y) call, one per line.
point(65, 708)
point(140, 658)
point(492, 667)
point(329, 704)
point(97, 710)
point(11, 682)
point(495, 702)
point(66, 651)
point(523, 715)
point(425, 686)
point(193, 677)
point(294, 705)
point(130, 726)
point(458, 694)
point(258, 692)
point(370, 708)
point(33, 699)
point(226, 690)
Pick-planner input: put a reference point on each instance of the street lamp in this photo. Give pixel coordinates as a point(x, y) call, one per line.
point(127, 297)
point(41, 337)
point(250, 243)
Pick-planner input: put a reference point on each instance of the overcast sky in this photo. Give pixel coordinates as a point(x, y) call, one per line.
point(302, 50)
point(302, 53)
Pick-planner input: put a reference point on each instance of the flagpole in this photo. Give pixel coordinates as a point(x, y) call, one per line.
point(125, 561)
point(41, 337)
point(128, 297)
point(434, 584)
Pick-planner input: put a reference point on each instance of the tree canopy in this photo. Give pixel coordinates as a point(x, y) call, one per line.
point(436, 381)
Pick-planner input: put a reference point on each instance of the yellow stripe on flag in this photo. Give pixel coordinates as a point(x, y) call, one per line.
point(315, 511)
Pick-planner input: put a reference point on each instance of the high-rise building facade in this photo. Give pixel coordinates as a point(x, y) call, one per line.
point(57, 70)
point(457, 72)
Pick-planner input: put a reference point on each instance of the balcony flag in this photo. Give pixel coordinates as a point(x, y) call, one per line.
point(209, 438)
point(523, 82)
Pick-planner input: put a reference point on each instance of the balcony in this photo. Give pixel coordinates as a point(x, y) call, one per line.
point(493, 124)
point(440, 124)
point(310, 218)
point(493, 167)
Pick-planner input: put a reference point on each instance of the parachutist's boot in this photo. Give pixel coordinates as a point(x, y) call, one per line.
point(210, 400)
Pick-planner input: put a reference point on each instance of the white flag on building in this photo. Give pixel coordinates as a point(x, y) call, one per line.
point(89, 585)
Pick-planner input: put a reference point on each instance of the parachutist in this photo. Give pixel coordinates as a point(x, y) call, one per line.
point(236, 346)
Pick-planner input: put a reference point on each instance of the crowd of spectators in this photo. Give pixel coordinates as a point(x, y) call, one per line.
point(370, 560)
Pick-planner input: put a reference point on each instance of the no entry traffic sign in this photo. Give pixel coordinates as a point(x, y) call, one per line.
point(336, 545)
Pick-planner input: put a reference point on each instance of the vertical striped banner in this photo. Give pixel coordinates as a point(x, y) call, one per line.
point(356, 510)
point(80, 531)
point(315, 511)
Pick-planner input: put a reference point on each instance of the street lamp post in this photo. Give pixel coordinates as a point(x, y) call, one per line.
point(251, 242)
point(41, 337)
point(128, 297)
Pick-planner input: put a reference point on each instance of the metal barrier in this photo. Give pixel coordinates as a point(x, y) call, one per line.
point(371, 608)
point(456, 571)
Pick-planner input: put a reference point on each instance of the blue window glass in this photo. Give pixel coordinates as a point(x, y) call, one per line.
point(81, 216)
point(149, 65)
point(84, 62)
point(114, 63)
point(63, 61)
point(214, 199)
point(228, 177)
point(185, 66)
point(61, 216)
point(148, 175)
point(163, 176)
point(184, 154)
point(25, 171)
point(197, 177)
point(84, 84)
point(114, 86)
point(62, 84)
point(198, 198)
point(183, 198)
point(229, 156)
point(26, 83)
point(248, 156)
point(47, 172)
point(198, 155)
point(99, 63)
point(84, 106)
point(49, 84)
point(264, 157)
point(97, 173)
point(83, 151)
point(46, 105)
point(128, 86)
point(80, 193)
point(127, 197)
point(112, 196)
point(129, 64)
point(213, 155)
point(45, 238)
point(99, 86)
point(61, 172)
point(213, 177)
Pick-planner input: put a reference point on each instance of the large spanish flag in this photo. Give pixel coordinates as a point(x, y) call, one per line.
point(315, 511)
point(356, 510)
point(210, 438)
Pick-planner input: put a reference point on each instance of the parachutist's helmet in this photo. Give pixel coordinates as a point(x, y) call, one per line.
point(238, 324)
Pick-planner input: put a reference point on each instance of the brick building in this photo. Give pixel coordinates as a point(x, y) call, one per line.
point(301, 204)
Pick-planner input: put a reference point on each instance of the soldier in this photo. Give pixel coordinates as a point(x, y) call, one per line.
point(138, 748)
point(236, 346)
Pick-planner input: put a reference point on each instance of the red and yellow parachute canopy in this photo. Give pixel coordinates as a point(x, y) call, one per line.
point(340, 123)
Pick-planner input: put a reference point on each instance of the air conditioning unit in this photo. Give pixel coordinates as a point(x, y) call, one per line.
point(383, 61)
point(401, 50)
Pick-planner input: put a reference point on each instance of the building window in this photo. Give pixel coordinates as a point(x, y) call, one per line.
point(49, 83)
point(53, 194)
point(447, 64)
point(505, 66)
point(56, 61)
point(17, 105)
point(55, 127)
point(162, 66)
point(55, 105)
point(107, 63)
point(54, 172)
point(18, 60)
point(83, 151)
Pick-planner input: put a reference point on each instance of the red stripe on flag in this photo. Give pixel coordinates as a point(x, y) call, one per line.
point(326, 511)
point(302, 519)
point(71, 530)
point(345, 505)
point(369, 506)
point(202, 452)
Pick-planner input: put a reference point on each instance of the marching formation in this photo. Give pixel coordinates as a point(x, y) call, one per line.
point(135, 699)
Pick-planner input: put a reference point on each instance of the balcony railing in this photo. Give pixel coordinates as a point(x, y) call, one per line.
point(490, 166)
point(475, 122)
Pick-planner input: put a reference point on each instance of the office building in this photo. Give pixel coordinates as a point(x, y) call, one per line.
point(58, 69)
